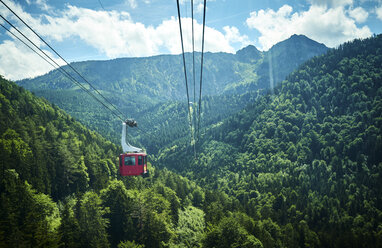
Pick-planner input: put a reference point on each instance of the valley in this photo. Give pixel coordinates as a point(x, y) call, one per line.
point(293, 165)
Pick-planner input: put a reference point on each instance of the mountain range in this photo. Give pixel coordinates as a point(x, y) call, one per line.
point(139, 86)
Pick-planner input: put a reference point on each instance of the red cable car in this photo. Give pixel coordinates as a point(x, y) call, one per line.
point(133, 164)
point(133, 161)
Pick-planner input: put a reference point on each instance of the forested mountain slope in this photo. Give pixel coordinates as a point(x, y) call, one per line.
point(305, 160)
point(59, 187)
point(138, 86)
point(47, 147)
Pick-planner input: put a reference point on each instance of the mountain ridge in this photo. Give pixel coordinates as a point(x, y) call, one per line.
point(157, 80)
point(117, 69)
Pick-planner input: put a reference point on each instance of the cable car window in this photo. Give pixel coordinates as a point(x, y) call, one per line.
point(140, 160)
point(129, 160)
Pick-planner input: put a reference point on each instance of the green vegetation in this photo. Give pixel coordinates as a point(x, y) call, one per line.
point(300, 166)
point(304, 163)
point(48, 148)
point(59, 187)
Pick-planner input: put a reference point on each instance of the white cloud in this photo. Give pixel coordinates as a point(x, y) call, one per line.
point(133, 3)
point(43, 5)
point(33, 22)
point(115, 34)
point(200, 8)
point(378, 11)
point(17, 9)
point(331, 26)
point(17, 61)
point(112, 33)
point(40, 3)
point(233, 36)
point(358, 14)
point(167, 36)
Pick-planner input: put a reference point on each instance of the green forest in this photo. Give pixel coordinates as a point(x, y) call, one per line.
point(299, 165)
point(305, 158)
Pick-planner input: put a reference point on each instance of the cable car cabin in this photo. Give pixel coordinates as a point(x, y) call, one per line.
point(133, 164)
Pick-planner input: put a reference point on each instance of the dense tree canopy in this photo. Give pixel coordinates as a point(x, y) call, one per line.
point(306, 156)
point(59, 184)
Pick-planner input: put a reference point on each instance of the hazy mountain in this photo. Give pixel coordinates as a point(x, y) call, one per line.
point(136, 85)
point(162, 78)
point(286, 56)
point(249, 54)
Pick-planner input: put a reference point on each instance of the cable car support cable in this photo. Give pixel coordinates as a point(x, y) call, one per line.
point(201, 69)
point(193, 48)
point(62, 58)
point(193, 72)
point(56, 66)
point(31, 48)
point(185, 73)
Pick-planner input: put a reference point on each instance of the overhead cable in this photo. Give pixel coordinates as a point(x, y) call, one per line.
point(61, 69)
point(62, 58)
point(201, 68)
point(185, 70)
point(31, 48)
point(193, 47)
point(193, 70)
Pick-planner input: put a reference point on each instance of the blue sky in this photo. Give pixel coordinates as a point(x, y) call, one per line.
point(105, 29)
